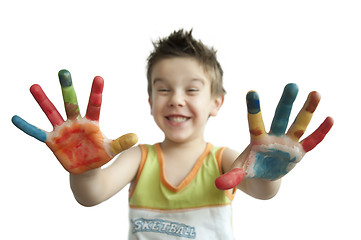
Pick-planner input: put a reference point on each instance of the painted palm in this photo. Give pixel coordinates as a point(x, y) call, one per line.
point(78, 143)
point(272, 155)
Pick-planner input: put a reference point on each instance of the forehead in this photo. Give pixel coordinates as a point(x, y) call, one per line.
point(178, 67)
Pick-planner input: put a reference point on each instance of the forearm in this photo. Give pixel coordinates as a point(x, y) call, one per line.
point(98, 185)
point(259, 188)
point(255, 187)
point(88, 187)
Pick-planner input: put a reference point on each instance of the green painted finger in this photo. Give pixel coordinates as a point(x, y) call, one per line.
point(69, 96)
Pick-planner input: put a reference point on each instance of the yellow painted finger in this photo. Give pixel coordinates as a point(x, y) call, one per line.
point(255, 120)
point(124, 142)
point(303, 118)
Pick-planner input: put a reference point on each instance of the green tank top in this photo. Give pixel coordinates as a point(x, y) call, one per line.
point(151, 189)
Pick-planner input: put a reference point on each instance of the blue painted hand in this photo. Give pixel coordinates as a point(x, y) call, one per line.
point(272, 155)
point(272, 158)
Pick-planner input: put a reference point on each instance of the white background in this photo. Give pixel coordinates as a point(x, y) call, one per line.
point(262, 45)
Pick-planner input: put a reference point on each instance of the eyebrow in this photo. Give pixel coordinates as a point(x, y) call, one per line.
point(201, 80)
point(157, 80)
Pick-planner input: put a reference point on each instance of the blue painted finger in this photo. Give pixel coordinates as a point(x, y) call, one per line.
point(28, 128)
point(255, 121)
point(283, 110)
point(253, 106)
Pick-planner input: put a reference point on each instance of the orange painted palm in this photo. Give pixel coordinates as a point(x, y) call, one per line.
point(78, 143)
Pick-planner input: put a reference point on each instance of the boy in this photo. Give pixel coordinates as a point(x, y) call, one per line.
point(172, 193)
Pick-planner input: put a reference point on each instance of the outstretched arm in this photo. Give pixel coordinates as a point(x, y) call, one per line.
point(78, 143)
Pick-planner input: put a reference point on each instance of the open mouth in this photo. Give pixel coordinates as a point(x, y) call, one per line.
point(177, 119)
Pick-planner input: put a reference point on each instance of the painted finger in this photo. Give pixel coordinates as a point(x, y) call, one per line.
point(255, 121)
point(303, 118)
point(28, 128)
point(283, 110)
point(95, 99)
point(48, 108)
point(230, 180)
point(318, 135)
point(69, 96)
point(122, 143)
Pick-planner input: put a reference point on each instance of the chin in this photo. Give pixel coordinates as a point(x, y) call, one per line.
point(177, 139)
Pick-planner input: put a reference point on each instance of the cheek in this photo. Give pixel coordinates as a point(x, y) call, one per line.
point(152, 104)
point(201, 110)
point(156, 108)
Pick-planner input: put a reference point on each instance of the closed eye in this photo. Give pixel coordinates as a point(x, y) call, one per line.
point(193, 90)
point(163, 90)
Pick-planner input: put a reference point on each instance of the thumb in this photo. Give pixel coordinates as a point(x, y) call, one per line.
point(234, 176)
point(123, 143)
point(230, 179)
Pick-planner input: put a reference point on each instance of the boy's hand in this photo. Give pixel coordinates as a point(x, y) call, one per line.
point(77, 143)
point(273, 155)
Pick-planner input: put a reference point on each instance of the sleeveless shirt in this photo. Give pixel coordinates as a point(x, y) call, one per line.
point(195, 209)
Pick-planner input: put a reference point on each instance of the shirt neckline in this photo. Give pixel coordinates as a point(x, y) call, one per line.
point(191, 175)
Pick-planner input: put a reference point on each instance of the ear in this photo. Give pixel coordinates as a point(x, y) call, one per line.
point(216, 105)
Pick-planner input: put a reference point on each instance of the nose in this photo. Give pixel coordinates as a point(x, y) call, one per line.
point(177, 100)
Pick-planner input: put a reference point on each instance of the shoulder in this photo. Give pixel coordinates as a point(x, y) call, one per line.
point(133, 152)
point(227, 157)
point(136, 156)
point(122, 170)
point(129, 159)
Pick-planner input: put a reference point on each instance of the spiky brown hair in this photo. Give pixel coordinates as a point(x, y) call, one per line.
point(182, 44)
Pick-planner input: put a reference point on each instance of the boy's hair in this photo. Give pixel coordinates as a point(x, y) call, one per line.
point(182, 44)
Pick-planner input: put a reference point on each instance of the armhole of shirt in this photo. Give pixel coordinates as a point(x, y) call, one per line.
point(231, 192)
point(144, 152)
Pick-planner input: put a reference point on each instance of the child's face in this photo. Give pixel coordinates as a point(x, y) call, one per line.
point(181, 100)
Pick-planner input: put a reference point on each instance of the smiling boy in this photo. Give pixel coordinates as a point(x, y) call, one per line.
point(172, 192)
point(173, 181)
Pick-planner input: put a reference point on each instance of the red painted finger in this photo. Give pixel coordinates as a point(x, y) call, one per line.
point(95, 99)
point(230, 180)
point(318, 135)
point(48, 108)
point(303, 118)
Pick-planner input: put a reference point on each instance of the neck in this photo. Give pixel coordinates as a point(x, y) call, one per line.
point(196, 143)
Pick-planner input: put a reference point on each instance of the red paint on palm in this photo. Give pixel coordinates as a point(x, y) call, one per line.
point(79, 147)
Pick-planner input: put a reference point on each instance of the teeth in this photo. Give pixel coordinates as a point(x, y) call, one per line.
point(177, 119)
